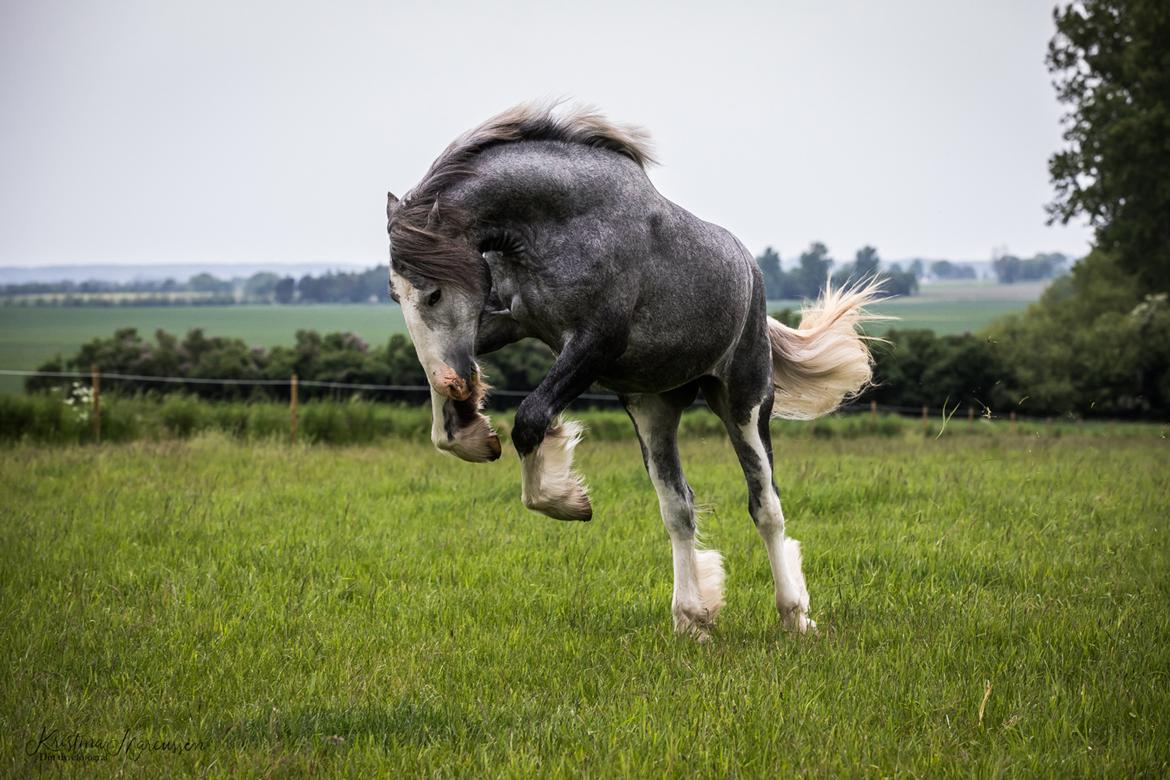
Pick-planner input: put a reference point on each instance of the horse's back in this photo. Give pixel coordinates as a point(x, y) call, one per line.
point(603, 243)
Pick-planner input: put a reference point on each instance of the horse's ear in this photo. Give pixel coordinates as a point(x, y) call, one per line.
point(391, 204)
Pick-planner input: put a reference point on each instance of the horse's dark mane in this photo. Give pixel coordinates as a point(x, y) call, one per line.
point(428, 238)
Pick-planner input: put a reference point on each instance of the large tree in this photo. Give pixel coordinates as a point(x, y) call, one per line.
point(814, 269)
point(1111, 65)
point(866, 262)
point(773, 276)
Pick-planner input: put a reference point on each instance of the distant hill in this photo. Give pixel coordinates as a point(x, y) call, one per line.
point(159, 272)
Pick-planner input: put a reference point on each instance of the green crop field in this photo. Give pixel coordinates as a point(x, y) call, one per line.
point(31, 335)
point(988, 605)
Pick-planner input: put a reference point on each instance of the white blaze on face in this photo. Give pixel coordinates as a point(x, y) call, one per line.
point(422, 336)
point(432, 338)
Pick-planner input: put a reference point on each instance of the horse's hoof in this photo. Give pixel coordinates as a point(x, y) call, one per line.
point(797, 621)
point(493, 447)
point(548, 483)
point(573, 506)
point(475, 442)
point(697, 626)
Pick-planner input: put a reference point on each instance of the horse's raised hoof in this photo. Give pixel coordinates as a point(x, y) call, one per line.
point(475, 442)
point(548, 483)
point(570, 507)
point(479, 449)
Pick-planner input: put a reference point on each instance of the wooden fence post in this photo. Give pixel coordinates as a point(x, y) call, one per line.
point(96, 412)
point(970, 416)
point(873, 410)
point(292, 407)
point(1013, 419)
point(925, 418)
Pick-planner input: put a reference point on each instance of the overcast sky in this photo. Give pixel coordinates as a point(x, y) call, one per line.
point(220, 132)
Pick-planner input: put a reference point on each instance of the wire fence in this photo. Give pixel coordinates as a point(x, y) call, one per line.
point(292, 383)
point(176, 380)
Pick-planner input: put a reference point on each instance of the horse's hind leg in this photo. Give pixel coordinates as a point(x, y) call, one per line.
point(746, 421)
point(698, 574)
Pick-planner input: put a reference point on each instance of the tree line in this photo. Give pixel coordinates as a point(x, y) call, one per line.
point(1010, 269)
point(369, 286)
point(332, 357)
point(805, 280)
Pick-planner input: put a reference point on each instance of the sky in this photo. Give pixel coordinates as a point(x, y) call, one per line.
point(269, 132)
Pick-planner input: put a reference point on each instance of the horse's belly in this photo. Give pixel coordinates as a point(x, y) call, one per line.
point(684, 331)
point(658, 365)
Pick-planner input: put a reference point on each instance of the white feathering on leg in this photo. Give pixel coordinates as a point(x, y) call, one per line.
point(548, 483)
point(792, 558)
point(709, 573)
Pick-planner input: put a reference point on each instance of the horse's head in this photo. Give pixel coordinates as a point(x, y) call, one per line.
point(442, 320)
point(441, 304)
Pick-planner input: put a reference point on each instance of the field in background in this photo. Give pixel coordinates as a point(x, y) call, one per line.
point(31, 335)
point(987, 606)
point(949, 307)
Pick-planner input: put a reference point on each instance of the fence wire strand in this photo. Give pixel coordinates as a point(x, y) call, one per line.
point(855, 408)
point(175, 380)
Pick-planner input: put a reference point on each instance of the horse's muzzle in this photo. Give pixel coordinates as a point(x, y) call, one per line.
point(447, 382)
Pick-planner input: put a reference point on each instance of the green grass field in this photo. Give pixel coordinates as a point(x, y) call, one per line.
point(988, 605)
point(31, 335)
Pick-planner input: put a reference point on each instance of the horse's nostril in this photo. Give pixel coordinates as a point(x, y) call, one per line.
point(448, 382)
point(458, 390)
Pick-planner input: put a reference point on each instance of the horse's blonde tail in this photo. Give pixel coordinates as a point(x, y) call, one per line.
point(824, 361)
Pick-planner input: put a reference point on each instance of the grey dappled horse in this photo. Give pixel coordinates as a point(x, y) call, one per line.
point(541, 223)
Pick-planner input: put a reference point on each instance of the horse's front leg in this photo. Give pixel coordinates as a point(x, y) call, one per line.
point(459, 428)
point(545, 444)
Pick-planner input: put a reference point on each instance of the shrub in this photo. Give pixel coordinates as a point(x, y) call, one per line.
point(182, 415)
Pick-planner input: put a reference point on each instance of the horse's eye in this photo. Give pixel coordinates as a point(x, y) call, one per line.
point(433, 298)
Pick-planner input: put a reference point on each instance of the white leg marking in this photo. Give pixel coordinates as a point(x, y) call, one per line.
point(698, 574)
point(548, 483)
point(709, 576)
point(783, 553)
